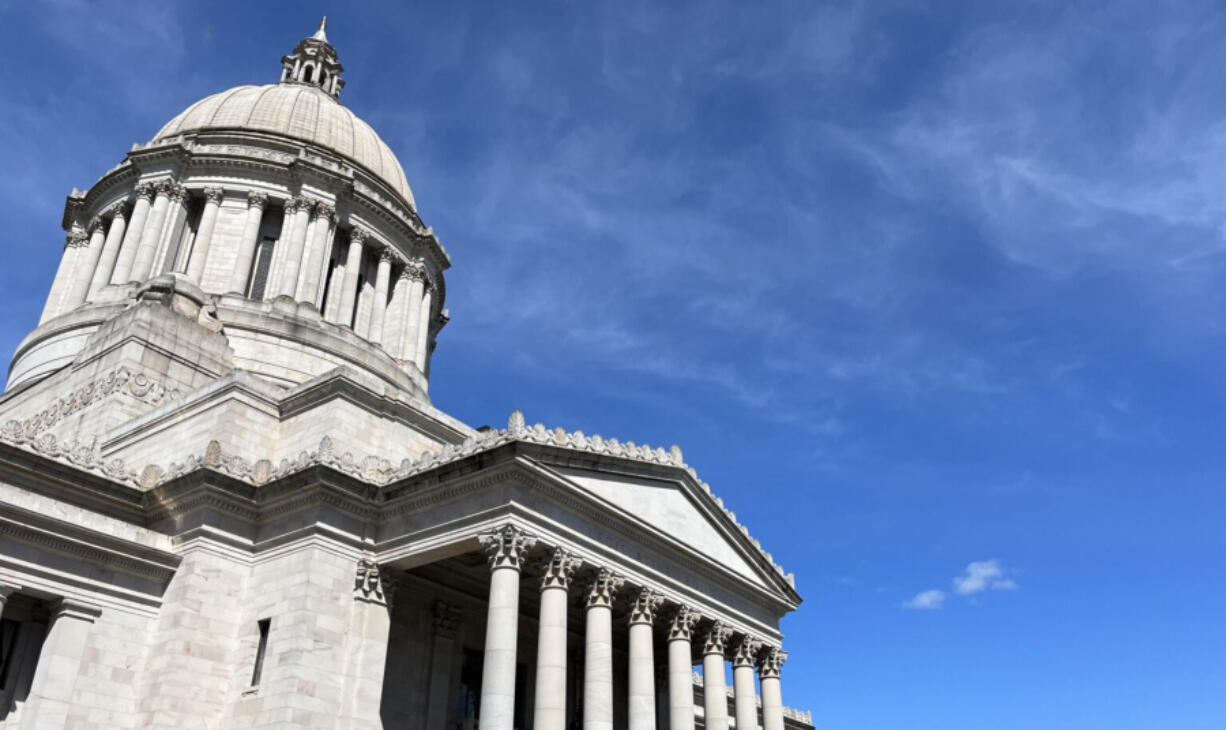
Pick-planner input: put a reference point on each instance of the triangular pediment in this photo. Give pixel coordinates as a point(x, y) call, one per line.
point(671, 509)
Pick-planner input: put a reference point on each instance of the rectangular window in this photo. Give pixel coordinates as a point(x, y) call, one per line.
point(259, 268)
point(263, 625)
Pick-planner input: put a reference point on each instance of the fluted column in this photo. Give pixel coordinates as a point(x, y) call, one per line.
point(680, 670)
point(415, 269)
point(84, 265)
point(110, 248)
point(349, 287)
point(745, 653)
point(378, 310)
point(641, 691)
point(714, 685)
point(59, 665)
point(204, 234)
point(146, 251)
point(598, 651)
point(550, 705)
point(256, 202)
point(136, 229)
point(506, 547)
point(299, 211)
point(423, 329)
point(74, 243)
point(770, 665)
point(309, 280)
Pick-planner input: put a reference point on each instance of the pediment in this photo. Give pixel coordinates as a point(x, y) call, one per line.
point(668, 507)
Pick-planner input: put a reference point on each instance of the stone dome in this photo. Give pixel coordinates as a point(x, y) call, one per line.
point(300, 111)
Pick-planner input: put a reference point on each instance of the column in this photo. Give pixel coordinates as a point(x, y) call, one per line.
point(415, 269)
point(167, 250)
point(423, 330)
point(680, 676)
point(110, 248)
point(770, 665)
point(714, 685)
point(146, 251)
point(598, 652)
point(378, 311)
point(374, 589)
point(299, 212)
point(256, 202)
point(506, 547)
point(74, 244)
point(84, 265)
point(641, 687)
point(746, 702)
point(204, 234)
point(550, 704)
point(321, 228)
point(397, 309)
point(349, 288)
point(131, 237)
point(438, 701)
point(59, 663)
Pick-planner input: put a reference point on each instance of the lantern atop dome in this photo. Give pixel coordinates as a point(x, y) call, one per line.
point(314, 63)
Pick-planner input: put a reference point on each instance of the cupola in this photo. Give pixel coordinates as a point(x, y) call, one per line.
point(314, 62)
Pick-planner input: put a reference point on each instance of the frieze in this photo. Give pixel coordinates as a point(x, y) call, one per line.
point(137, 385)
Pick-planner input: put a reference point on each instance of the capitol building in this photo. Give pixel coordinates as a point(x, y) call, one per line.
point(227, 501)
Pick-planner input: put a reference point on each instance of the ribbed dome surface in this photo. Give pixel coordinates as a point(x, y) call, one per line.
point(299, 111)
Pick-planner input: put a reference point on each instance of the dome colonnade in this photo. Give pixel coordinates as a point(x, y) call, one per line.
point(278, 203)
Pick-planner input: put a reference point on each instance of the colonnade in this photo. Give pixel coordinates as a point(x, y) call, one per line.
point(129, 242)
point(507, 548)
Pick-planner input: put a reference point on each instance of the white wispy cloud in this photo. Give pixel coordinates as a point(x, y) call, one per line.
point(929, 600)
point(983, 575)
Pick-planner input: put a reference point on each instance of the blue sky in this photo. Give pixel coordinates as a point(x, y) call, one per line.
point(933, 294)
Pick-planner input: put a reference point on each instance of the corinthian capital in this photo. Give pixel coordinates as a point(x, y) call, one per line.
point(745, 651)
point(146, 190)
point(176, 192)
point(122, 209)
point(770, 661)
point(603, 588)
point(299, 202)
point(558, 569)
point(374, 583)
point(257, 200)
point(646, 603)
point(76, 238)
point(506, 546)
point(681, 623)
point(358, 235)
point(95, 224)
point(415, 269)
point(323, 210)
point(214, 194)
point(715, 641)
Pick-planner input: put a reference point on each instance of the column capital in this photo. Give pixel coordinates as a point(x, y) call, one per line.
point(214, 194)
point(374, 583)
point(145, 190)
point(323, 210)
point(387, 255)
point(76, 238)
point(446, 618)
point(715, 639)
point(299, 202)
point(70, 608)
point(257, 200)
point(558, 567)
point(745, 651)
point(770, 661)
point(414, 268)
point(122, 209)
point(95, 224)
point(173, 190)
point(358, 235)
point(506, 546)
point(603, 588)
point(646, 603)
point(681, 623)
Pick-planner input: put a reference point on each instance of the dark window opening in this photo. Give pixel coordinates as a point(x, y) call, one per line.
point(259, 268)
point(9, 631)
point(263, 625)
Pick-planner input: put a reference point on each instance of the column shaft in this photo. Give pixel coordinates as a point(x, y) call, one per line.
point(598, 669)
point(256, 203)
point(550, 705)
point(393, 325)
point(642, 689)
point(714, 692)
point(291, 262)
point(110, 251)
point(204, 234)
point(680, 686)
point(146, 251)
point(412, 317)
point(378, 311)
point(770, 663)
point(58, 295)
point(317, 250)
point(501, 635)
point(349, 288)
point(84, 266)
point(131, 238)
point(744, 697)
point(423, 331)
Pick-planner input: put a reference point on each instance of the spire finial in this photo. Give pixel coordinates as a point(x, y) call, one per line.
point(322, 33)
point(314, 62)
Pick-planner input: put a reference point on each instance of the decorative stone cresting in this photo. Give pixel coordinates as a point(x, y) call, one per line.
point(137, 385)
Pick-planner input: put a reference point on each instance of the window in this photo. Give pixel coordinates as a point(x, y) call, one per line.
point(263, 626)
point(259, 268)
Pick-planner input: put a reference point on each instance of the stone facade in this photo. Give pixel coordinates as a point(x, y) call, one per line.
point(226, 500)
